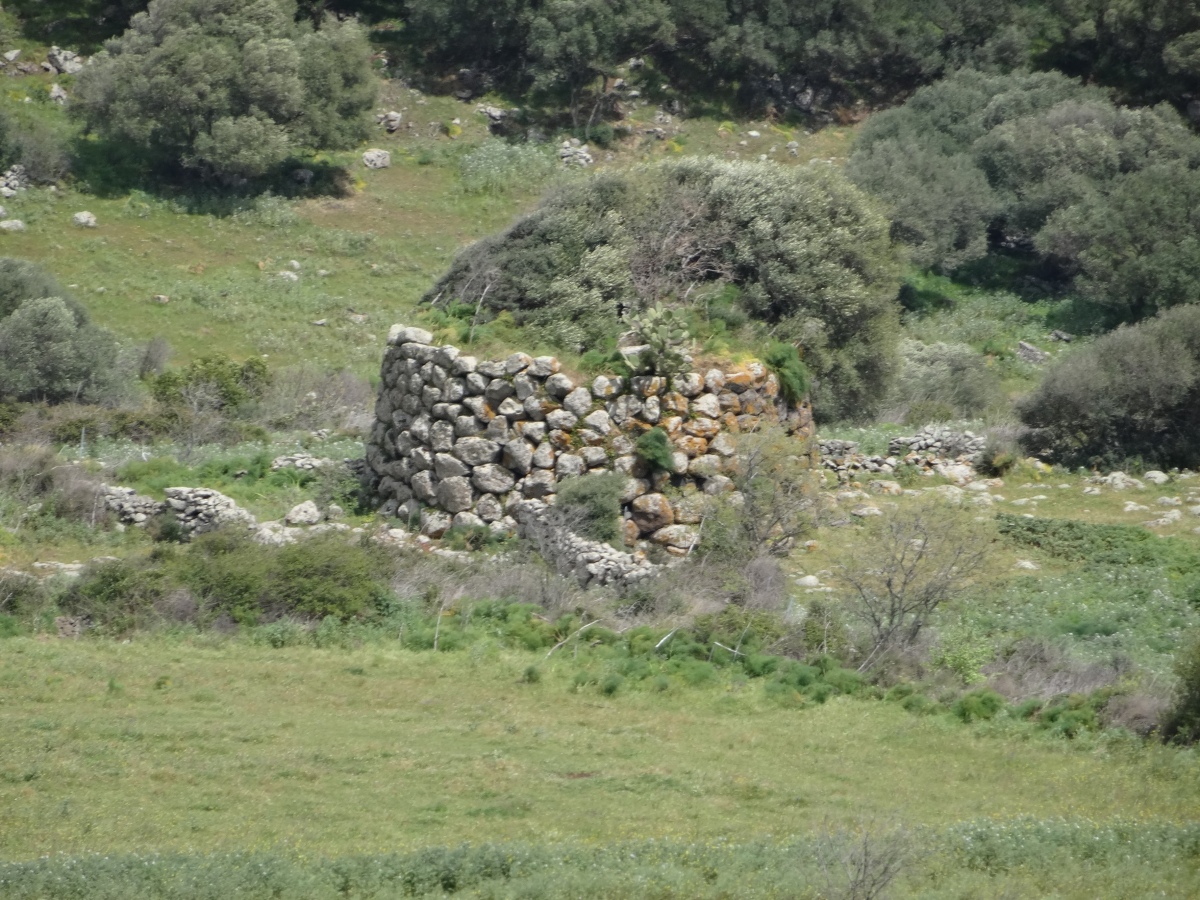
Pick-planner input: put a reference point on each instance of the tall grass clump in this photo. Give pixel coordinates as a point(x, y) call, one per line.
point(495, 167)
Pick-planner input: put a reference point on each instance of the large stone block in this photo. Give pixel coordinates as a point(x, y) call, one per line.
point(447, 466)
point(455, 494)
point(424, 486)
point(578, 402)
point(441, 436)
point(475, 451)
point(568, 465)
point(559, 385)
point(651, 512)
point(561, 420)
point(492, 479)
point(518, 456)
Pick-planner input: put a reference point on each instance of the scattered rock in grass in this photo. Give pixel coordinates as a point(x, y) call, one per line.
point(12, 225)
point(391, 121)
point(1156, 477)
point(1168, 518)
point(58, 95)
point(864, 512)
point(1031, 354)
point(289, 275)
point(84, 219)
point(1027, 564)
point(1133, 506)
point(161, 298)
point(305, 513)
point(1169, 501)
point(377, 159)
point(65, 62)
point(321, 322)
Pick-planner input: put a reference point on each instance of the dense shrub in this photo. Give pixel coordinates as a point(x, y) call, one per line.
point(591, 505)
point(951, 375)
point(47, 353)
point(1135, 250)
point(978, 158)
point(228, 88)
point(784, 361)
point(322, 576)
point(21, 280)
point(655, 448)
point(213, 381)
point(1183, 720)
point(809, 252)
point(1134, 392)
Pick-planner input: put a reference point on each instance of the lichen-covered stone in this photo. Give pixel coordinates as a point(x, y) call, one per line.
point(559, 385)
point(476, 451)
point(492, 479)
point(578, 402)
point(651, 512)
point(455, 494)
point(568, 465)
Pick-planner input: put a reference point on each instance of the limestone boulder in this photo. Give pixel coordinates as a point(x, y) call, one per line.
point(652, 512)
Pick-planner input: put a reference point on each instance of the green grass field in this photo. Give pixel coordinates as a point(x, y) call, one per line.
point(172, 745)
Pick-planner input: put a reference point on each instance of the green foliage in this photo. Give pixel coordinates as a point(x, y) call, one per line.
point(1133, 249)
point(665, 332)
point(784, 361)
point(1182, 722)
point(496, 166)
point(1133, 392)
point(319, 577)
point(227, 88)
point(655, 448)
point(214, 380)
point(1103, 190)
point(1101, 545)
point(47, 353)
point(978, 706)
point(808, 252)
point(950, 377)
point(21, 280)
point(592, 504)
point(119, 597)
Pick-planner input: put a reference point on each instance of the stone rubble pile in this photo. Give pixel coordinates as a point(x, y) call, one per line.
point(575, 153)
point(592, 563)
point(304, 461)
point(13, 180)
point(462, 442)
point(939, 439)
point(130, 507)
point(201, 510)
point(64, 62)
point(391, 121)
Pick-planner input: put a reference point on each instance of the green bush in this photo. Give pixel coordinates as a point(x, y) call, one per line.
point(592, 504)
point(228, 89)
point(1131, 393)
point(118, 597)
point(1182, 722)
point(978, 706)
point(940, 382)
point(215, 380)
point(47, 353)
point(655, 448)
point(21, 280)
point(809, 253)
point(1102, 191)
point(318, 577)
point(784, 361)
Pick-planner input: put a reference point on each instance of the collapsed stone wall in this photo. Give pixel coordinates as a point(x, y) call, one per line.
point(460, 441)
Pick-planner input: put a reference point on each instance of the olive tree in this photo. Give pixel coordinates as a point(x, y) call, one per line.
point(229, 88)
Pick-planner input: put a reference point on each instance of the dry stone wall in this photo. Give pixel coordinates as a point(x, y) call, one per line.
point(460, 441)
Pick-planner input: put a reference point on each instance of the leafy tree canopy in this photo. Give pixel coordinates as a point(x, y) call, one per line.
point(810, 253)
point(229, 88)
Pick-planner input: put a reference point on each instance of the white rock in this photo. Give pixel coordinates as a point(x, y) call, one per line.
point(305, 513)
point(12, 225)
point(1156, 477)
point(377, 159)
point(1027, 564)
point(84, 219)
